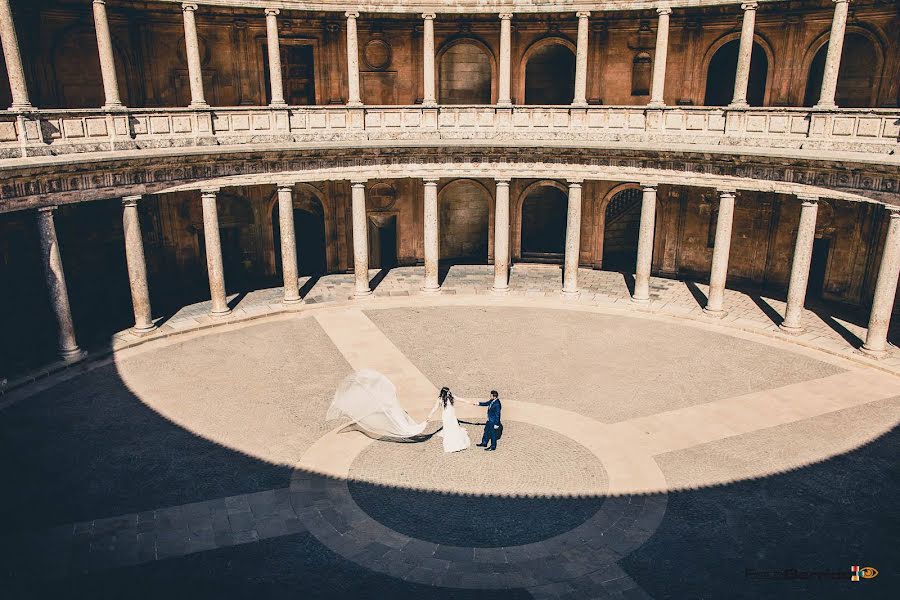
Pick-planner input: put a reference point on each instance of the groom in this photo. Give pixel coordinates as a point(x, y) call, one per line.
point(493, 425)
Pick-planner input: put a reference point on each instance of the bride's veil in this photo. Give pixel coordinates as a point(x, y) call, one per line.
point(369, 400)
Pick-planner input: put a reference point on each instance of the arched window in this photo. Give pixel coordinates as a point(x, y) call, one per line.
point(856, 77)
point(641, 74)
point(550, 75)
point(722, 72)
point(622, 225)
point(465, 75)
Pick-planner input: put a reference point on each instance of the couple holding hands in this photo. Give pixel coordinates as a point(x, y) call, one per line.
point(455, 437)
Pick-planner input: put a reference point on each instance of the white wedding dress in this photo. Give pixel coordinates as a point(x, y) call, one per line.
point(369, 400)
point(455, 437)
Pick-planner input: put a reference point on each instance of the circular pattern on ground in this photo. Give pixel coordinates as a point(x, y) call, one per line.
point(538, 484)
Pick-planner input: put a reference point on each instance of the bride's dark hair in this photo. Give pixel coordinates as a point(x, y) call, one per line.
point(446, 395)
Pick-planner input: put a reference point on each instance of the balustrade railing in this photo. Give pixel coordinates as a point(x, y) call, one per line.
point(864, 132)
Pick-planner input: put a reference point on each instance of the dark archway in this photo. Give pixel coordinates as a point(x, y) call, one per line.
point(722, 71)
point(544, 224)
point(465, 74)
point(622, 224)
point(550, 75)
point(76, 72)
point(309, 234)
point(464, 222)
point(856, 78)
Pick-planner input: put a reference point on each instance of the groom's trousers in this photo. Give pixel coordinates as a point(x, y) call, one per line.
point(490, 434)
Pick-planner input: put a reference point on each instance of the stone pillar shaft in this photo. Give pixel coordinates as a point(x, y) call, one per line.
point(288, 244)
point(719, 271)
point(430, 96)
point(192, 46)
point(885, 289)
point(137, 266)
point(107, 57)
point(659, 63)
point(803, 247)
point(573, 240)
point(274, 50)
point(360, 239)
point(354, 98)
point(645, 243)
point(833, 58)
point(432, 237)
point(13, 58)
point(501, 237)
point(214, 265)
point(56, 284)
point(742, 76)
point(581, 60)
point(504, 96)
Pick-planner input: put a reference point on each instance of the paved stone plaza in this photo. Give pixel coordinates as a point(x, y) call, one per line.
point(197, 464)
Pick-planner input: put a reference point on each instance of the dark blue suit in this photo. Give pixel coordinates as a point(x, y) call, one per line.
point(493, 421)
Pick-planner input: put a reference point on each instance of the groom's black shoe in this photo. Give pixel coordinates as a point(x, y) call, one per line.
point(490, 448)
point(481, 445)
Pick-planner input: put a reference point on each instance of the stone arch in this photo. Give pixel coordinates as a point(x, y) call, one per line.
point(856, 87)
point(77, 80)
point(312, 226)
point(464, 215)
point(541, 212)
point(547, 72)
point(466, 72)
point(721, 57)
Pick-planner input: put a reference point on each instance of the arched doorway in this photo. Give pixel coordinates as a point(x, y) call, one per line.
point(464, 222)
point(465, 74)
point(857, 76)
point(622, 224)
point(544, 223)
point(550, 74)
point(309, 233)
point(722, 71)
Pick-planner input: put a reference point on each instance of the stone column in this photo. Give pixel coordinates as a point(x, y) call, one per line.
point(432, 237)
point(288, 244)
point(645, 244)
point(352, 62)
point(214, 254)
point(137, 266)
point(504, 95)
point(429, 97)
point(195, 71)
point(107, 58)
point(573, 240)
point(501, 238)
point(274, 48)
point(659, 63)
point(360, 239)
point(742, 77)
point(13, 59)
point(56, 284)
point(803, 247)
point(833, 58)
point(885, 288)
point(581, 60)
point(719, 271)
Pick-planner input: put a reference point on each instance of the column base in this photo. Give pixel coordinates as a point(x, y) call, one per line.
point(569, 294)
point(292, 301)
point(738, 105)
point(830, 106)
point(362, 295)
point(218, 314)
point(278, 105)
point(431, 290)
point(429, 104)
point(581, 104)
point(791, 329)
point(72, 354)
point(715, 313)
point(141, 330)
point(504, 104)
point(116, 106)
point(876, 354)
point(656, 105)
point(355, 104)
point(198, 105)
point(641, 301)
point(497, 291)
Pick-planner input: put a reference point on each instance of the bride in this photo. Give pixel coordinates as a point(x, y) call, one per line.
point(455, 437)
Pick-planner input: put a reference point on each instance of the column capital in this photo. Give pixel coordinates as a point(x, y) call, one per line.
point(503, 181)
point(893, 211)
point(749, 5)
point(726, 192)
point(357, 183)
point(583, 14)
point(649, 185)
point(284, 187)
point(209, 192)
point(808, 198)
point(351, 14)
point(506, 16)
point(272, 11)
point(430, 180)
point(429, 16)
point(99, 1)
point(574, 183)
point(664, 10)
point(188, 6)
point(841, 1)
point(47, 209)
point(130, 200)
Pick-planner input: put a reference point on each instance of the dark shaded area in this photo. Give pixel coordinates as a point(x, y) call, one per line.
point(550, 75)
point(856, 75)
point(480, 521)
point(828, 516)
point(722, 72)
point(544, 224)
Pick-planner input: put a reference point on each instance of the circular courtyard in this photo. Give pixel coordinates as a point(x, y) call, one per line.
point(635, 448)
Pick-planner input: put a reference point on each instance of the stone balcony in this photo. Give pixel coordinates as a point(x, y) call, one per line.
point(865, 135)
